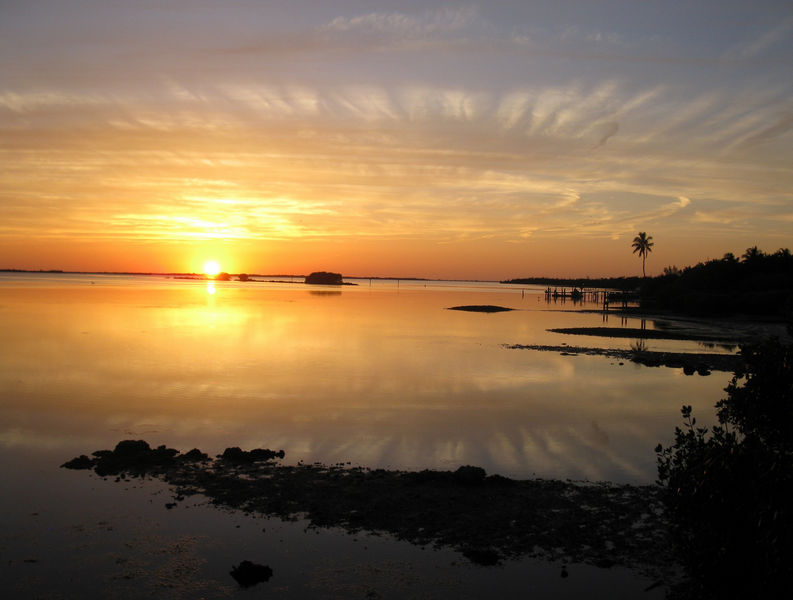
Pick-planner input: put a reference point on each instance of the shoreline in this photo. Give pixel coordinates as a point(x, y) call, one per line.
point(699, 362)
point(648, 334)
point(487, 519)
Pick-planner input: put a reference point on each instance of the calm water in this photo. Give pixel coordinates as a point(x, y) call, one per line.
point(379, 374)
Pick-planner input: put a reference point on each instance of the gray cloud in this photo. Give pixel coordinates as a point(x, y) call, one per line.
point(609, 130)
point(782, 126)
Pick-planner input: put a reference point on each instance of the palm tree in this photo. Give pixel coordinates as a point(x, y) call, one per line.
point(752, 255)
point(643, 244)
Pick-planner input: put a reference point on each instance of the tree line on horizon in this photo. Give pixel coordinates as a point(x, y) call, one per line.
point(757, 283)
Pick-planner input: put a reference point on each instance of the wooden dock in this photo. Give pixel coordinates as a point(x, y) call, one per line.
point(580, 294)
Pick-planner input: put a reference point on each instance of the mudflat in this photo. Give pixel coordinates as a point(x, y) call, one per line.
point(486, 518)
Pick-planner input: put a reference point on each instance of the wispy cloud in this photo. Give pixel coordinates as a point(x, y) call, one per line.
point(763, 43)
point(430, 22)
point(782, 126)
point(389, 161)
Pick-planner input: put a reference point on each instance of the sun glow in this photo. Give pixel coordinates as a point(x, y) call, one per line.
point(211, 268)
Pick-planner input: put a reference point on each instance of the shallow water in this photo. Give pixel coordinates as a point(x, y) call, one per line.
point(68, 534)
point(382, 375)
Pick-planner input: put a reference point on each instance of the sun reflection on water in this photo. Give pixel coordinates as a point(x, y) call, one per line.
point(384, 378)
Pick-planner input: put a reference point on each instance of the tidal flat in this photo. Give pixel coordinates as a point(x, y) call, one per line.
point(488, 519)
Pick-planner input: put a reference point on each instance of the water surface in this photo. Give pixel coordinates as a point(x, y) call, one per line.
point(380, 374)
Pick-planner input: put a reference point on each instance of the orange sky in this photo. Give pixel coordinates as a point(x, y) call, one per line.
point(435, 141)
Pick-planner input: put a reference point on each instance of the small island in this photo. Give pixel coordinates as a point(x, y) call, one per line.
point(484, 308)
point(325, 278)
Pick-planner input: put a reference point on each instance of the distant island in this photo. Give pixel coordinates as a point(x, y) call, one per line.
point(614, 283)
point(326, 278)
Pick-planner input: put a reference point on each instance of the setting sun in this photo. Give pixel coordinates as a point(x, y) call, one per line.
point(211, 268)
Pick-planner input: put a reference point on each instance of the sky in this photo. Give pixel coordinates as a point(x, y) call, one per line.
point(424, 138)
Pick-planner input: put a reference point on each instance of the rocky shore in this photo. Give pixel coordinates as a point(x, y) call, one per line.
point(488, 519)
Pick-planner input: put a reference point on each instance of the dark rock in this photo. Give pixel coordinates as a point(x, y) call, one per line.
point(131, 456)
point(194, 455)
point(248, 574)
point(500, 480)
point(469, 475)
point(482, 556)
point(131, 448)
point(237, 455)
point(161, 454)
point(234, 454)
point(81, 462)
point(427, 476)
point(265, 454)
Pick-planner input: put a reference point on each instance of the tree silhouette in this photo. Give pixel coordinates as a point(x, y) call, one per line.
point(728, 488)
point(752, 255)
point(643, 244)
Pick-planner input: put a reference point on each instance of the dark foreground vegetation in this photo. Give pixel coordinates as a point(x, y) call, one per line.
point(729, 490)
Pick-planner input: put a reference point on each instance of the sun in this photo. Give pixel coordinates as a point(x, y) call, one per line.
point(211, 268)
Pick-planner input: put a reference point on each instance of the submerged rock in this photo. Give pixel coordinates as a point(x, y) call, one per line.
point(248, 574)
point(135, 457)
point(237, 455)
point(482, 556)
point(194, 455)
point(81, 462)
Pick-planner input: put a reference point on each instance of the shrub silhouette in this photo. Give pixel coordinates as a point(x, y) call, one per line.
point(730, 489)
